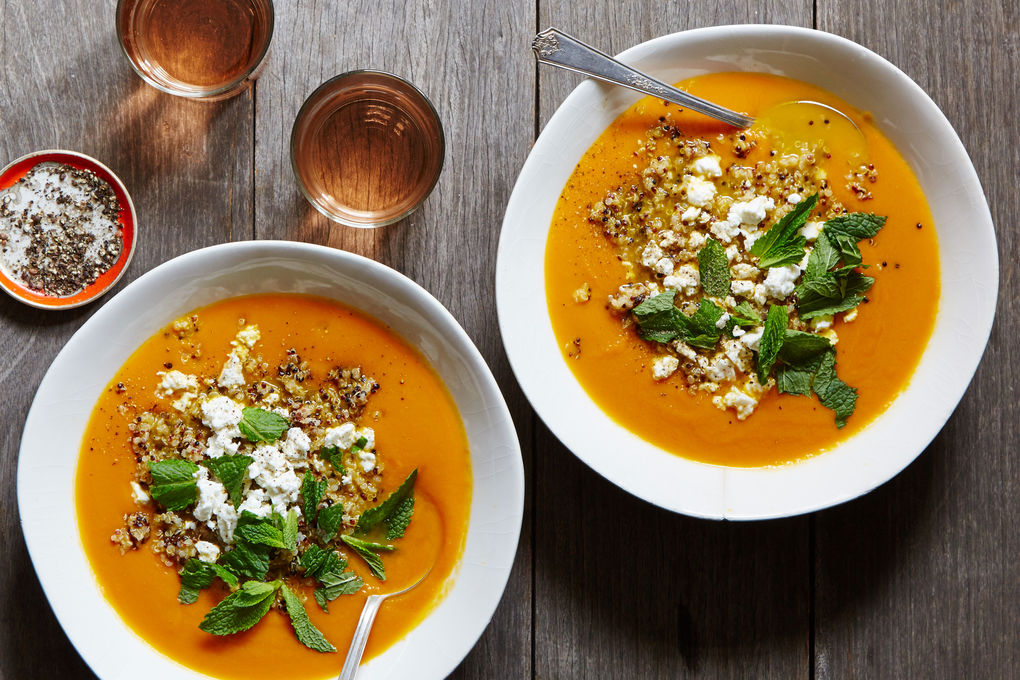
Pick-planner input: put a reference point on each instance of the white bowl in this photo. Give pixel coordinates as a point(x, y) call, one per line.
point(71, 387)
point(969, 266)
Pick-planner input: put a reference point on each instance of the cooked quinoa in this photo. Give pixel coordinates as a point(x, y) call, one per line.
point(197, 420)
point(688, 194)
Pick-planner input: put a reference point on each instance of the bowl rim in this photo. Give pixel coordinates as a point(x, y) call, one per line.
point(415, 297)
point(713, 491)
point(129, 230)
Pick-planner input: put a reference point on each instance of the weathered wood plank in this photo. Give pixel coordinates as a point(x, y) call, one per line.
point(623, 589)
point(188, 167)
point(472, 60)
point(920, 578)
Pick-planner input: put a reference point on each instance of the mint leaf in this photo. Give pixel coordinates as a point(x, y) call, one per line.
point(261, 534)
point(259, 425)
point(366, 550)
point(306, 632)
point(320, 599)
point(781, 244)
point(330, 520)
point(832, 293)
point(337, 583)
point(241, 609)
point(803, 350)
point(230, 470)
point(198, 575)
point(822, 258)
point(745, 315)
point(657, 318)
point(771, 340)
point(247, 560)
point(335, 456)
point(793, 380)
point(714, 268)
point(858, 226)
point(311, 492)
point(371, 517)
point(290, 530)
point(316, 559)
point(397, 521)
point(833, 392)
point(173, 483)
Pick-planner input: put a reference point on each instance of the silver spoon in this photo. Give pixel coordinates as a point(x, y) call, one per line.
point(364, 627)
point(556, 48)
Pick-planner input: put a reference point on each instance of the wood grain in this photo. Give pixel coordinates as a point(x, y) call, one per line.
point(472, 60)
point(920, 579)
point(188, 167)
point(623, 589)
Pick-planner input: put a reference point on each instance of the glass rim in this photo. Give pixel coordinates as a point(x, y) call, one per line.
point(373, 224)
point(227, 89)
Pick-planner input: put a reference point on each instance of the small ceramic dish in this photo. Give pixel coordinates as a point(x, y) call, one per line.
point(127, 219)
point(63, 404)
point(969, 278)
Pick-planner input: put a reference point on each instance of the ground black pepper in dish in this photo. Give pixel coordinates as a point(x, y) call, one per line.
point(58, 229)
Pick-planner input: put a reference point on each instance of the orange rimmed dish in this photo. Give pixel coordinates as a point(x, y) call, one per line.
point(126, 219)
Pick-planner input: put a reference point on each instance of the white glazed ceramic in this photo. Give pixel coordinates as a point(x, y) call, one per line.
point(57, 419)
point(919, 130)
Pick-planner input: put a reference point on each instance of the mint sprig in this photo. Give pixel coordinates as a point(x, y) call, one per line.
point(373, 516)
point(306, 632)
point(659, 320)
point(242, 609)
point(198, 575)
point(230, 470)
point(714, 269)
point(330, 519)
point(771, 340)
point(367, 550)
point(173, 483)
point(782, 244)
point(260, 425)
point(312, 491)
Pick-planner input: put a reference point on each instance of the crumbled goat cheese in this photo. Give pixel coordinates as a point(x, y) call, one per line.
point(721, 370)
point(651, 254)
point(175, 381)
point(685, 278)
point(794, 199)
point(723, 320)
point(781, 281)
point(232, 374)
point(751, 212)
point(696, 240)
point(725, 230)
point(255, 502)
point(213, 506)
point(850, 316)
point(821, 323)
point(295, 447)
point(664, 366)
point(811, 230)
point(707, 166)
point(342, 437)
point(700, 192)
point(367, 460)
point(220, 412)
point(741, 402)
point(271, 470)
point(744, 289)
point(207, 552)
point(138, 494)
point(249, 335)
point(690, 214)
point(751, 338)
point(664, 266)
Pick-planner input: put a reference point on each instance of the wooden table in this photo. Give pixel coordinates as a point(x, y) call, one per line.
point(917, 579)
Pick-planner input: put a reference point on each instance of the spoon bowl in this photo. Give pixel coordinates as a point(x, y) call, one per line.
point(408, 575)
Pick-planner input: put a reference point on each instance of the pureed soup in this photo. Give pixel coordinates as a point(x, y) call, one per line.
point(259, 461)
point(742, 298)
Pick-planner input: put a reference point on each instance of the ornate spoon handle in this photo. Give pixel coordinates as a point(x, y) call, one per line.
point(559, 49)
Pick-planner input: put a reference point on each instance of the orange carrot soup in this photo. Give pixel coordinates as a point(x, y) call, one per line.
point(258, 468)
point(743, 297)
